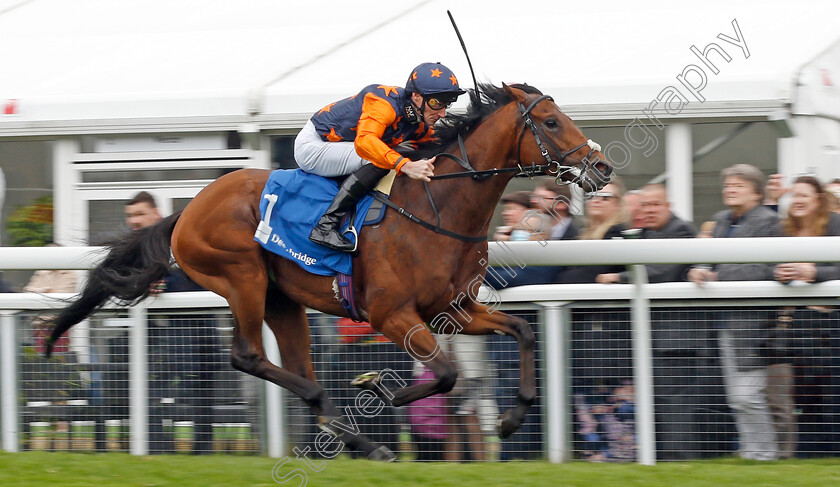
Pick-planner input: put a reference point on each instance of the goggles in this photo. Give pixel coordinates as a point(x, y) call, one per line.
point(438, 102)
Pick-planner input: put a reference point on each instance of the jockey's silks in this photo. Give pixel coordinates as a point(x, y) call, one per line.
point(375, 119)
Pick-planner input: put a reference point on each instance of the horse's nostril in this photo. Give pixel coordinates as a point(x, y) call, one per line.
point(603, 168)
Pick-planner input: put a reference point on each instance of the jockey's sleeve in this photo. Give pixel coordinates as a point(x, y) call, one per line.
point(377, 115)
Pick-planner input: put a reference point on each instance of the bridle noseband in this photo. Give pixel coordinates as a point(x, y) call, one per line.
point(560, 168)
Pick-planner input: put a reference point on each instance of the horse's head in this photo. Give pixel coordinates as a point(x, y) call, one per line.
point(548, 136)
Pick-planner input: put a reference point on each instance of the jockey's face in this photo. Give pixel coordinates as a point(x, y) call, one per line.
point(430, 116)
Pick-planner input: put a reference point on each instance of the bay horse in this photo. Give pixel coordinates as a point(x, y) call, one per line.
point(404, 274)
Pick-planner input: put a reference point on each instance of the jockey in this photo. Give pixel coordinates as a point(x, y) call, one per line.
point(356, 136)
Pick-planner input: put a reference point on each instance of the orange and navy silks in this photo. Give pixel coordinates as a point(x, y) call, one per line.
point(375, 120)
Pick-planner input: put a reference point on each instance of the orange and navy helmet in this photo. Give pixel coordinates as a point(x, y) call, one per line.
point(433, 79)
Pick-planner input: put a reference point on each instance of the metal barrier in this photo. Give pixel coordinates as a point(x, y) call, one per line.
point(589, 368)
point(145, 380)
point(625, 373)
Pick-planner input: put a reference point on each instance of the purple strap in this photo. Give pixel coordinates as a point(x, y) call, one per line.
point(348, 301)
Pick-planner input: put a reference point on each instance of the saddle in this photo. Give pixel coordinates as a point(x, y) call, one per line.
point(291, 203)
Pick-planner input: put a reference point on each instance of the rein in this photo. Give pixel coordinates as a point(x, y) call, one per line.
point(552, 167)
point(435, 228)
point(521, 172)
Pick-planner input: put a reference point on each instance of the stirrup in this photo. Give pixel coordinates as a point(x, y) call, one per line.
point(352, 230)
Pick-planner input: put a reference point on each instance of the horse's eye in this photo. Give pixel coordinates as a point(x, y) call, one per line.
point(551, 123)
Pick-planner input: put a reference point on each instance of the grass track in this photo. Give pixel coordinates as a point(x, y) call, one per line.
point(35, 469)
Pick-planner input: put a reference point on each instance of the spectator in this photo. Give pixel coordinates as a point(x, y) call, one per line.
point(632, 204)
point(833, 189)
point(503, 354)
point(707, 229)
point(469, 354)
point(808, 216)
point(676, 364)
point(605, 421)
point(429, 420)
point(657, 221)
point(743, 333)
point(532, 225)
point(774, 190)
point(514, 207)
point(184, 353)
point(141, 211)
point(605, 215)
point(553, 200)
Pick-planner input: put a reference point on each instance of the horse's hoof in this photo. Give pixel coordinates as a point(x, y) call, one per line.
point(382, 454)
point(367, 381)
point(507, 425)
point(325, 424)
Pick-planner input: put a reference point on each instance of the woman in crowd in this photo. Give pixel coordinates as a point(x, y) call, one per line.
point(810, 215)
point(605, 216)
point(514, 207)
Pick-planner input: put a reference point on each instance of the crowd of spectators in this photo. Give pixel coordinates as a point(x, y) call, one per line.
point(766, 374)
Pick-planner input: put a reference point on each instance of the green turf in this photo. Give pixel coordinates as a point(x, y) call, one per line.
point(33, 469)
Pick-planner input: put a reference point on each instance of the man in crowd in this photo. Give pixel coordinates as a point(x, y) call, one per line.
point(141, 211)
point(657, 221)
point(743, 333)
point(183, 353)
point(632, 206)
point(554, 200)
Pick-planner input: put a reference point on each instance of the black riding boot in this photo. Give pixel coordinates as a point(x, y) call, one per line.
point(358, 184)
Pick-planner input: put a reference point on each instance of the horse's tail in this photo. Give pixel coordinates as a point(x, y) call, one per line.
point(127, 273)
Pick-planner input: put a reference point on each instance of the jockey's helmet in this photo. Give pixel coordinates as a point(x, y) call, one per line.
point(434, 79)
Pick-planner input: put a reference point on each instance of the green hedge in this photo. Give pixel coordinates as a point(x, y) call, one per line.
point(32, 225)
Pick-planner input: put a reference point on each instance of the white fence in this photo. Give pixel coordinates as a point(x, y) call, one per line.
point(554, 304)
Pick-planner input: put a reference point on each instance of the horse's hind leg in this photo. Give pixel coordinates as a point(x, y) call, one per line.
point(287, 320)
point(420, 344)
point(484, 321)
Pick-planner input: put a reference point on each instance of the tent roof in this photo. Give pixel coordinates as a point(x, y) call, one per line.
point(119, 65)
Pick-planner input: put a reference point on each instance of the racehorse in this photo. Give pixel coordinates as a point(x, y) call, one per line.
point(404, 274)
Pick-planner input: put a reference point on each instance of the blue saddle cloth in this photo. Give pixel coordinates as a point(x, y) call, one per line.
point(301, 199)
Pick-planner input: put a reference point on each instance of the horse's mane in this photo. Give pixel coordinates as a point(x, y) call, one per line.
point(490, 99)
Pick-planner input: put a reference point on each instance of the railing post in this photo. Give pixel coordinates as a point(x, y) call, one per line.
point(557, 413)
point(138, 369)
point(643, 368)
point(274, 413)
point(8, 381)
point(679, 166)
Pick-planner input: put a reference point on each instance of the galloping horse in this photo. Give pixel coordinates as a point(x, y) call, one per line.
point(404, 274)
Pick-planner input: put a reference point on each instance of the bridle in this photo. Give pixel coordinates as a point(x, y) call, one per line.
point(561, 169)
point(551, 167)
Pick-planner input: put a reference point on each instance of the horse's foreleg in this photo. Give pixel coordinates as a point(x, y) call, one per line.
point(287, 320)
point(409, 332)
point(483, 322)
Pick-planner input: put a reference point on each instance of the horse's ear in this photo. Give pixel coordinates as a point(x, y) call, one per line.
point(514, 93)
